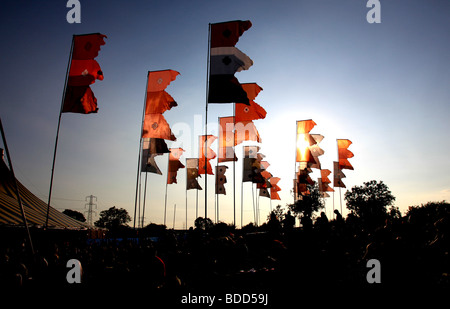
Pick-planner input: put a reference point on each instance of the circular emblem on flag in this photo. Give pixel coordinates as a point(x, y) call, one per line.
point(226, 33)
point(159, 81)
point(221, 179)
point(246, 109)
point(226, 60)
point(88, 46)
point(154, 125)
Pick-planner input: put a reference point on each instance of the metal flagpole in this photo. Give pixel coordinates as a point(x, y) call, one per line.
point(242, 190)
point(234, 165)
point(206, 121)
point(57, 132)
point(165, 199)
point(186, 209)
point(143, 203)
point(16, 187)
point(174, 213)
point(139, 156)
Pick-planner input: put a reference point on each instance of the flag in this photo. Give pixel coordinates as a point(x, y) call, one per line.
point(192, 174)
point(337, 176)
point(252, 167)
point(323, 188)
point(226, 139)
point(174, 164)
point(264, 192)
point(274, 188)
point(210, 154)
point(246, 131)
point(304, 141)
point(151, 148)
point(157, 102)
point(344, 154)
point(253, 111)
point(84, 70)
point(324, 174)
point(225, 60)
point(221, 179)
point(156, 126)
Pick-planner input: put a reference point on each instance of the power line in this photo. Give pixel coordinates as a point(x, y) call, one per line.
point(90, 211)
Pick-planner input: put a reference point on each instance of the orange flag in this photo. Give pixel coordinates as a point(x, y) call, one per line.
point(344, 154)
point(158, 101)
point(253, 111)
point(246, 131)
point(174, 164)
point(226, 139)
point(210, 154)
point(304, 141)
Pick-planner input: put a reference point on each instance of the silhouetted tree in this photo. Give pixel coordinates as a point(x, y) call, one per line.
point(370, 202)
point(74, 214)
point(309, 204)
point(203, 223)
point(113, 218)
point(279, 213)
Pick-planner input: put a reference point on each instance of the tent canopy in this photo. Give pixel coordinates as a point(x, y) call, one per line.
point(35, 209)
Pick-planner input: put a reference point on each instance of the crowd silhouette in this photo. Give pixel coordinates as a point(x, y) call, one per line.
point(413, 250)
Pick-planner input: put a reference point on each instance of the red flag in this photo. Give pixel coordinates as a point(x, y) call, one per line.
point(84, 70)
point(253, 111)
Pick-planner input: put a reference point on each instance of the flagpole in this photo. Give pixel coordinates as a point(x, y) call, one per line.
point(206, 121)
point(186, 208)
point(140, 155)
point(16, 188)
point(57, 132)
point(242, 190)
point(143, 204)
point(234, 165)
point(165, 198)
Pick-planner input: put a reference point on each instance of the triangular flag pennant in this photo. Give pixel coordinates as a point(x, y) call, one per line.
point(84, 70)
point(225, 60)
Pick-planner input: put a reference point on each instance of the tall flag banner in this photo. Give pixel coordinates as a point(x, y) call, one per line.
point(84, 70)
point(274, 188)
point(324, 188)
point(157, 102)
point(337, 176)
point(316, 151)
point(324, 175)
point(152, 147)
point(174, 164)
point(344, 154)
point(210, 154)
point(225, 60)
point(221, 179)
point(246, 131)
point(226, 139)
point(253, 111)
point(192, 174)
point(251, 164)
point(304, 141)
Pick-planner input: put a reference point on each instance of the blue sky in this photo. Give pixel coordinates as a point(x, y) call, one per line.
point(383, 86)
